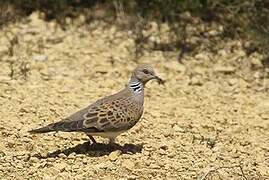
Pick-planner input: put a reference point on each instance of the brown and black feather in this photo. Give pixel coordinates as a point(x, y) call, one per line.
point(112, 113)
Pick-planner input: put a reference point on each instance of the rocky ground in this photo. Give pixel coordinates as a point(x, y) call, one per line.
point(209, 121)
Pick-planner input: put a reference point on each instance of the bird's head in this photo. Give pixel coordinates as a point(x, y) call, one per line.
point(145, 73)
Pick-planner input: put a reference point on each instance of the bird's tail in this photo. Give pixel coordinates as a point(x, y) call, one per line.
point(46, 129)
point(67, 126)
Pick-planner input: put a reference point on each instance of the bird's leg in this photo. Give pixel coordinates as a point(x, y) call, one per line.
point(113, 144)
point(92, 139)
point(112, 141)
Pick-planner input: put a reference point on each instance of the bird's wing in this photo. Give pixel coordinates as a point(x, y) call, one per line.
point(112, 114)
point(115, 115)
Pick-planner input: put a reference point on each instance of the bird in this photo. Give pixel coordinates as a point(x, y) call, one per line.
point(112, 115)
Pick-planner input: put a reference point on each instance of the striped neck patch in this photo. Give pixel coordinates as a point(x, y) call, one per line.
point(136, 87)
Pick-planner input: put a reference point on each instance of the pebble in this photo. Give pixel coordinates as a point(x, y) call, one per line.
point(171, 155)
point(20, 153)
point(224, 69)
point(128, 164)
point(167, 133)
point(201, 56)
point(265, 116)
point(113, 156)
point(232, 81)
point(178, 129)
point(40, 58)
point(175, 66)
point(132, 177)
point(54, 171)
point(264, 104)
point(162, 152)
point(154, 166)
point(61, 166)
point(146, 153)
point(196, 81)
point(62, 155)
point(3, 50)
point(199, 71)
point(102, 165)
point(256, 62)
point(213, 33)
point(34, 159)
point(85, 161)
point(51, 159)
point(72, 155)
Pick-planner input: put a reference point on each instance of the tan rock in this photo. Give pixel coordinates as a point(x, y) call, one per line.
point(60, 166)
point(224, 69)
point(113, 156)
point(128, 164)
point(256, 62)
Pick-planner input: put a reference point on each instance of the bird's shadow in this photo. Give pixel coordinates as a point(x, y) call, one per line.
point(96, 150)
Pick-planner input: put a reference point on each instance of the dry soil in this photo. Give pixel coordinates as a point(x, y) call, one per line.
point(209, 121)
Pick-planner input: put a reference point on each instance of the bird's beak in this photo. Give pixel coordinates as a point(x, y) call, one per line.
point(160, 81)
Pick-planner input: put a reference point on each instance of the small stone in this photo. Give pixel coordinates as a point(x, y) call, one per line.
point(264, 116)
point(132, 177)
point(201, 56)
point(61, 166)
point(79, 176)
point(199, 71)
point(3, 50)
point(154, 166)
point(25, 139)
point(257, 74)
point(162, 152)
point(50, 159)
point(85, 161)
point(146, 153)
point(72, 155)
point(224, 69)
point(68, 20)
point(35, 19)
point(46, 177)
point(62, 155)
point(171, 155)
point(82, 19)
point(213, 33)
point(232, 81)
point(113, 156)
point(20, 153)
point(102, 165)
point(264, 104)
point(256, 62)
point(178, 129)
point(164, 147)
point(40, 58)
point(167, 133)
point(185, 15)
point(34, 160)
point(175, 66)
point(196, 81)
point(128, 164)
point(54, 171)
point(263, 108)
point(109, 178)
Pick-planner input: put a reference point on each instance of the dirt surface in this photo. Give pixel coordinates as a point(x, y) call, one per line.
point(209, 121)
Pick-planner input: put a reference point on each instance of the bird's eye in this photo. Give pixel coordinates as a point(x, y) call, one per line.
point(145, 71)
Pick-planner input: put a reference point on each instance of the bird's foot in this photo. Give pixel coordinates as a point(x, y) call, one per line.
point(115, 146)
